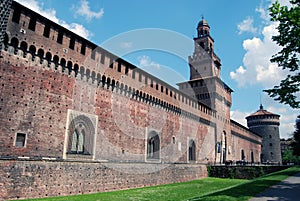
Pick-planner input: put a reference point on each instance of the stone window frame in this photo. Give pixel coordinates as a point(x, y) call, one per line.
point(17, 136)
point(157, 158)
point(90, 124)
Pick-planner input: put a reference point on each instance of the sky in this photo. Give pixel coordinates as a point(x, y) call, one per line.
point(157, 36)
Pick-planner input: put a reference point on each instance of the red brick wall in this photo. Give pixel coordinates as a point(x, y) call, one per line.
point(32, 179)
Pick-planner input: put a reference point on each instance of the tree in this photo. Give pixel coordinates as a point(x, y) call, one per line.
point(289, 157)
point(296, 141)
point(288, 57)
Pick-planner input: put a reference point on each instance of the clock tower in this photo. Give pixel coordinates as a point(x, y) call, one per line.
point(205, 85)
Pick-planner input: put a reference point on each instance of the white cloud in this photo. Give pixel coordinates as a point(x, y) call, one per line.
point(257, 67)
point(51, 14)
point(85, 11)
point(246, 26)
point(239, 116)
point(146, 63)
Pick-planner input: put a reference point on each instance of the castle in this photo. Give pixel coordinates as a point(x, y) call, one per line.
point(76, 118)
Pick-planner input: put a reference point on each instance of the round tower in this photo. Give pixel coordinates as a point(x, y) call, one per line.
point(267, 124)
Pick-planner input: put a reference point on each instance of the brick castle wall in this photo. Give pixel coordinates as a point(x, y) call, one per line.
point(29, 179)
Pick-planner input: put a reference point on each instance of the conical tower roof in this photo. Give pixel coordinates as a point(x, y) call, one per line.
point(261, 112)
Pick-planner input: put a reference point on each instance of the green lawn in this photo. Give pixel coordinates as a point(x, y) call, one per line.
point(203, 189)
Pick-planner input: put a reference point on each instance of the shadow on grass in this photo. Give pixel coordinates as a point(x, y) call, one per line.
point(249, 189)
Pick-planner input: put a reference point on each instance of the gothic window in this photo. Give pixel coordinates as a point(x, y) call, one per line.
point(153, 145)
point(81, 134)
point(77, 145)
point(192, 150)
point(20, 140)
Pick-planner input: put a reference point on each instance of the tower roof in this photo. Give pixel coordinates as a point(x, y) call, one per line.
point(261, 112)
point(202, 23)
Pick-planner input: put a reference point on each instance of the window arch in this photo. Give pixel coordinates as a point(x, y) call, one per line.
point(14, 42)
point(153, 145)
point(41, 54)
point(81, 135)
point(192, 150)
point(32, 50)
point(23, 47)
point(77, 145)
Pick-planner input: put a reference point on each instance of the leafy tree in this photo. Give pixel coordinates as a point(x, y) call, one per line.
point(288, 57)
point(296, 141)
point(288, 157)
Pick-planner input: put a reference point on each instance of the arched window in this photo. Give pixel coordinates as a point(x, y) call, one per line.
point(23, 47)
point(78, 141)
point(15, 42)
point(63, 63)
point(32, 50)
point(41, 54)
point(55, 60)
point(81, 136)
point(153, 145)
point(192, 150)
point(48, 57)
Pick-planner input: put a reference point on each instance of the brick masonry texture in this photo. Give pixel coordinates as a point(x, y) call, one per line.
point(23, 179)
point(77, 119)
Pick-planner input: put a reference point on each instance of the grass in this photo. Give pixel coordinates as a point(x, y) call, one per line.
point(203, 189)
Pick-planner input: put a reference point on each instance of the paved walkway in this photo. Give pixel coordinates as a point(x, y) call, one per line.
point(287, 190)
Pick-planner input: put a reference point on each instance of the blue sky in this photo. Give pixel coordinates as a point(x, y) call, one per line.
point(157, 36)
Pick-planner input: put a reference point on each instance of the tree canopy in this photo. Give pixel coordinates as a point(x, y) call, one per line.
point(296, 138)
point(287, 91)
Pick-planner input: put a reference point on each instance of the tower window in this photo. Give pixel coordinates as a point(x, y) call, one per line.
point(20, 140)
point(271, 144)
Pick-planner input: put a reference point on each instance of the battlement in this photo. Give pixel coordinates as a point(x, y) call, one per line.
point(185, 106)
point(35, 38)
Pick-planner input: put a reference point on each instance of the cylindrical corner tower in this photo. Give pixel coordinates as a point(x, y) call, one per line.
point(267, 124)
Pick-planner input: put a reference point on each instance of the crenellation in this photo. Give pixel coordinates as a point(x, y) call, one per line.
point(70, 108)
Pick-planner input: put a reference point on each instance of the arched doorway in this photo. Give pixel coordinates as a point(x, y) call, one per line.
point(192, 150)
